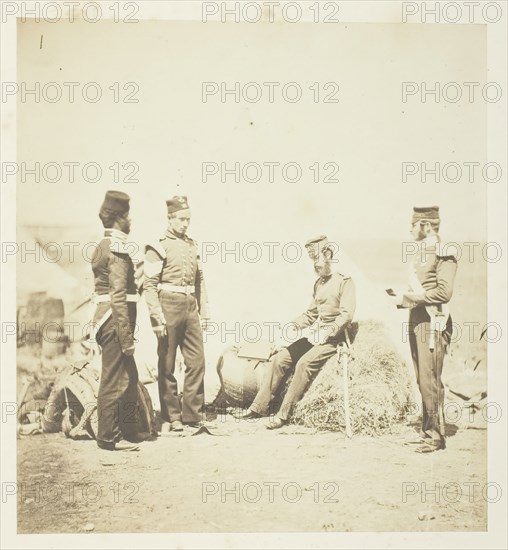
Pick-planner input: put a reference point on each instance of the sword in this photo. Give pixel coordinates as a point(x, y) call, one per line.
point(344, 352)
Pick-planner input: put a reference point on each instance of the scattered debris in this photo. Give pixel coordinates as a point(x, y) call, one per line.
point(204, 430)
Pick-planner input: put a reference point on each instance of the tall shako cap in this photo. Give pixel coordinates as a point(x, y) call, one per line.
point(177, 203)
point(116, 201)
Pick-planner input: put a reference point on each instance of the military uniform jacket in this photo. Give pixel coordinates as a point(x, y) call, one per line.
point(432, 274)
point(333, 303)
point(173, 260)
point(113, 271)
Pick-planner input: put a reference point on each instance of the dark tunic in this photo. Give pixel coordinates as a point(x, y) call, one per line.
point(114, 324)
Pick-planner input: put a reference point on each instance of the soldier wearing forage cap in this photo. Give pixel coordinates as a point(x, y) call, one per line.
point(113, 323)
point(176, 297)
point(329, 314)
point(432, 274)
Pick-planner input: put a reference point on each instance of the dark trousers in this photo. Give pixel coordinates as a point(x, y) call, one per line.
point(309, 360)
point(428, 365)
point(184, 331)
point(117, 399)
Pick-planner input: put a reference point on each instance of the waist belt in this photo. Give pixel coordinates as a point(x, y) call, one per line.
point(189, 289)
point(99, 298)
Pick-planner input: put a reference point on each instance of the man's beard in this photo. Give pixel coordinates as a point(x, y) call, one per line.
point(323, 271)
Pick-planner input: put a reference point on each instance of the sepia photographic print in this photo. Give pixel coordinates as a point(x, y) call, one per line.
point(253, 278)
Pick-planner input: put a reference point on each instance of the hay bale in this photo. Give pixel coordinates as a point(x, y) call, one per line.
point(379, 387)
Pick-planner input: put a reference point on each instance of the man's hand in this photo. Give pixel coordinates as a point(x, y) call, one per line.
point(396, 300)
point(319, 334)
point(411, 300)
point(129, 351)
point(323, 336)
point(160, 331)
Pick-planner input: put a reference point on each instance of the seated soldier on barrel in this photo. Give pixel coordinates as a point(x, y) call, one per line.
point(329, 314)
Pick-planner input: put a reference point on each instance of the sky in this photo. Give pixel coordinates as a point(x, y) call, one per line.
point(170, 132)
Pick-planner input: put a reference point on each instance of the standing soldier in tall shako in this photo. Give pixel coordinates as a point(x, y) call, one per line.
point(114, 322)
point(176, 297)
point(431, 277)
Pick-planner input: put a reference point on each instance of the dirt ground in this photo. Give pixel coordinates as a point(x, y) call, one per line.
point(245, 478)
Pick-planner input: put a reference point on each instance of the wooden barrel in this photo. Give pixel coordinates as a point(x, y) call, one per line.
point(53, 310)
point(32, 319)
point(240, 377)
point(40, 323)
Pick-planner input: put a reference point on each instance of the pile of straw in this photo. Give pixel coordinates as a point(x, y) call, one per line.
point(379, 387)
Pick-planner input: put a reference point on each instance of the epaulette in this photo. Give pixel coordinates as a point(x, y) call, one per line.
point(157, 247)
point(447, 249)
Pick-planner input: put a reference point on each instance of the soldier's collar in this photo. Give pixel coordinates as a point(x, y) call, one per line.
point(116, 234)
point(170, 235)
point(429, 242)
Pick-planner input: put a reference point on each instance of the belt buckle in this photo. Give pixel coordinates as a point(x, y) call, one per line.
point(187, 290)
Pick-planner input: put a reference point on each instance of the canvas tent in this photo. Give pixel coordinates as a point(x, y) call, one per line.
point(242, 295)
